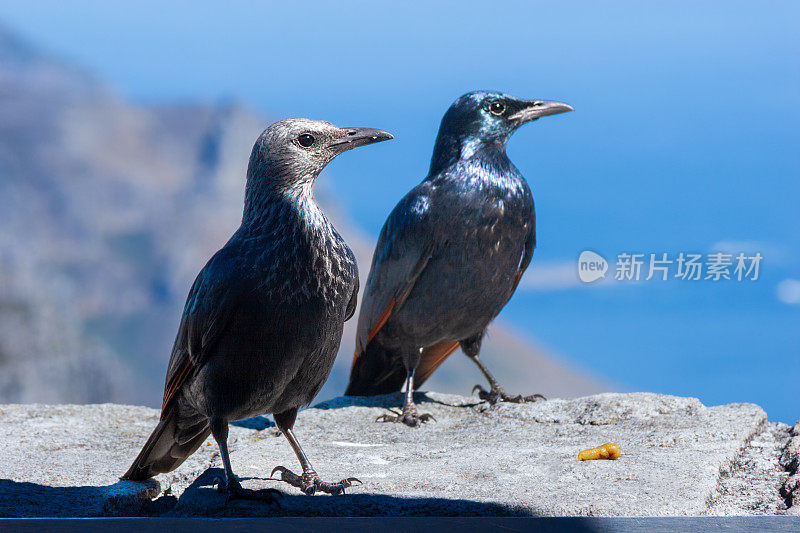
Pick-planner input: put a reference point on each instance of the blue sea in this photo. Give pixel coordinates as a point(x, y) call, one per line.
point(722, 342)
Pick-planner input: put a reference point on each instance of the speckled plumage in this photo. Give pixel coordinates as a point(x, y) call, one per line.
point(264, 318)
point(451, 252)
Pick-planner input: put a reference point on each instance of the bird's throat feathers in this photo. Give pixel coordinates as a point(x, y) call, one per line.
point(290, 205)
point(450, 149)
point(476, 164)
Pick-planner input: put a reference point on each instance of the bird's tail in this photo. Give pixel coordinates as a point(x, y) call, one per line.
point(376, 371)
point(168, 446)
point(381, 371)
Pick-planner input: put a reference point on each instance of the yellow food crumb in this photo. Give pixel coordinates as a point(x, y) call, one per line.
point(609, 450)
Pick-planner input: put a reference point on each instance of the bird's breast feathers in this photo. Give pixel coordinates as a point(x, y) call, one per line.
point(299, 266)
point(486, 175)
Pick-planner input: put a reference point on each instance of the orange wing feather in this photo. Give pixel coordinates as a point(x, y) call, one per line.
point(374, 331)
point(432, 358)
point(177, 381)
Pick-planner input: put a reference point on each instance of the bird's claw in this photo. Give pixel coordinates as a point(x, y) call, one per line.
point(221, 486)
point(409, 417)
point(233, 490)
point(386, 418)
point(310, 482)
point(497, 394)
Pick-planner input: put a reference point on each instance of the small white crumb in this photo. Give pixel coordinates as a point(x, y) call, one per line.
point(355, 444)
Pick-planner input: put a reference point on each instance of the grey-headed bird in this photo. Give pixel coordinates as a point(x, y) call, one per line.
point(264, 318)
point(450, 255)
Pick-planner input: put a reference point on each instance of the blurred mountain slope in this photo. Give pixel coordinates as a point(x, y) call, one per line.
point(107, 212)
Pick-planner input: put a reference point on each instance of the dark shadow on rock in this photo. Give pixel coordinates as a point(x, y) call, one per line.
point(386, 401)
point(201, 498)
point(259, 423)
point(124, 498)
point(383, 400)
point(422, 397)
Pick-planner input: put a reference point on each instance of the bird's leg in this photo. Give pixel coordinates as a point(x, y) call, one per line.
point(309, 481)
point(471, 347)
point(497, 393)
point(230, 486)
point(409, 416)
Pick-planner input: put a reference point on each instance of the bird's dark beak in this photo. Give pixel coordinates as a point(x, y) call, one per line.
point(534, 109)
point(355, 137)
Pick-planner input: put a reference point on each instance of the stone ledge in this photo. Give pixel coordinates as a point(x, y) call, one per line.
point(678, 458)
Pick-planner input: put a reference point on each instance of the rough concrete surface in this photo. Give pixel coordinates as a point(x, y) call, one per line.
point(678, 458)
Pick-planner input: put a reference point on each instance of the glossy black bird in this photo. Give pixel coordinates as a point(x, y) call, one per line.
point(264, 318)
point(450, 255)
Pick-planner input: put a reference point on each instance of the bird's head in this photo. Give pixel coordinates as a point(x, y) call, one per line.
point(486, 117)
point(292, 152)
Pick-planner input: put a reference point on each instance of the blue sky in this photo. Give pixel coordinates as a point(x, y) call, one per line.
point(685, 136)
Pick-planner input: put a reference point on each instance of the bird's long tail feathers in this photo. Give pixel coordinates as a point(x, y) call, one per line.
point(168, 446)
point(381, 371)
point(376, 371)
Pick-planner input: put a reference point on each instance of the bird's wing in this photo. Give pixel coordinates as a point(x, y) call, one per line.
point(404, 248)
point(353, 303)
point(527, 254)
point(208, 309)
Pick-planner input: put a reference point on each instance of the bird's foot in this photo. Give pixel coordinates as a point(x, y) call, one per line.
point(233, 490)
point(310, 482)
point(409, 417)
point(497, 394)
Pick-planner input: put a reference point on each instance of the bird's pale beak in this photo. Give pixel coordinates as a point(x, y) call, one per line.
point(539, 108)
point(355, 137)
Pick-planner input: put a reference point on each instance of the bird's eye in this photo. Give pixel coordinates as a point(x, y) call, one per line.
point(497, 107)
point(305, 140)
